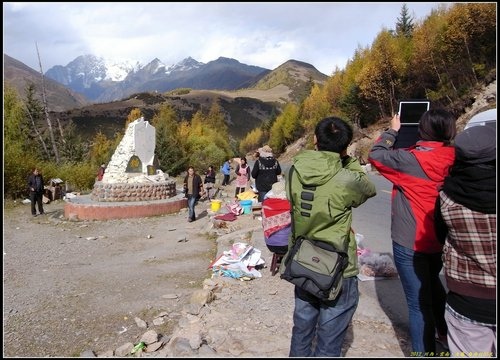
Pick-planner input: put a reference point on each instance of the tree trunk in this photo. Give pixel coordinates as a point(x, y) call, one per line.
point(37, 133)
point(46, 110)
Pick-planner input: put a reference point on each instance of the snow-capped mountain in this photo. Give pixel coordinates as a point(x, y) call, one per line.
point(88, 69)
point(185, 65)
point(118, 69)
point(104, 80)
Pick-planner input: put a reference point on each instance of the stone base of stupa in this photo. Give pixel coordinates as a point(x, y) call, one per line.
point(140, 191)
point(84, 208)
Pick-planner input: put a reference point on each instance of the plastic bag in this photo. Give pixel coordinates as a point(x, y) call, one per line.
point(235, 208)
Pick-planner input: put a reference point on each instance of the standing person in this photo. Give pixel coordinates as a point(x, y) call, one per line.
point(242, 172)
point(226, 171)
point(209, 181)
point(417, 173)
point(265, 171)
point(100, 172)
point(467, 209)
point(193, 189)
point(338, 184)
point(36, 187)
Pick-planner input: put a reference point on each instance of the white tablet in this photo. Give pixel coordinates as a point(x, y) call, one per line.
point(410, 111)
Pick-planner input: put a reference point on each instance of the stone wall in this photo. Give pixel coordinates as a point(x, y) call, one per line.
point(133, 192)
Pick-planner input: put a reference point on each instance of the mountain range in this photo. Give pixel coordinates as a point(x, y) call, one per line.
point(249, 95)
point(102, 80)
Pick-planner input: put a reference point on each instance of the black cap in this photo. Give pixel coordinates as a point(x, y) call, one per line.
point(476, 145)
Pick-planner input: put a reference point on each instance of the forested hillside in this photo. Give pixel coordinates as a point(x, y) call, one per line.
point(444, 58)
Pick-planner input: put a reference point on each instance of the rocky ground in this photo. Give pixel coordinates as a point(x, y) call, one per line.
point(98, 288)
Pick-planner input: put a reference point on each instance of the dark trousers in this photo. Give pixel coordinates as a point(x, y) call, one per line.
point(225, 181)
point(239, 190)
point(36, 197)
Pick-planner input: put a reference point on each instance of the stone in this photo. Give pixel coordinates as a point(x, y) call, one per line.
point(139, 140)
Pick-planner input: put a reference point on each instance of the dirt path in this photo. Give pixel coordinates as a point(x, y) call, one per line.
point(69, 286)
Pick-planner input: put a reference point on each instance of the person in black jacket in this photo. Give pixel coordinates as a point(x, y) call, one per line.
point(210, 182)
point(35, 186)
point(193, 189)
point(265, 171)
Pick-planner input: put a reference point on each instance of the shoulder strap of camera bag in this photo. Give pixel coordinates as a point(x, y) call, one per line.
point(307, 194)
point(290, 174)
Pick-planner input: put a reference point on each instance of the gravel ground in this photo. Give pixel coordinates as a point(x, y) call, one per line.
point(71, 286)
point(76, 286)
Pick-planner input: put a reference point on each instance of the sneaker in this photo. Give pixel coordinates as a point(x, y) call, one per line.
point(42, 213)
point(34, 215)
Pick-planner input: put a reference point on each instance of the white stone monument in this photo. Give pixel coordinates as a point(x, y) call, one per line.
point(130, 161)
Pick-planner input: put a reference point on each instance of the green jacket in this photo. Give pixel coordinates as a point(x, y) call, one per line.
point(340, 186)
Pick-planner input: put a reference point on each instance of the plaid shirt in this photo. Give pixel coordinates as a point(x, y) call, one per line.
point(469, 253)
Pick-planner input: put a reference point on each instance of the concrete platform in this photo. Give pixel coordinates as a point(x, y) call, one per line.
point(83, 208)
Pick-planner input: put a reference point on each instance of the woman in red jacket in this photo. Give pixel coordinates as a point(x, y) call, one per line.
point(417, 173)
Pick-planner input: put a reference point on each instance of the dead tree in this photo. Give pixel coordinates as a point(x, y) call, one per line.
point(46, 110)
point(37, 133)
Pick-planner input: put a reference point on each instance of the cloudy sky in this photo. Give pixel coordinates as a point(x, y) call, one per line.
point(323, 34)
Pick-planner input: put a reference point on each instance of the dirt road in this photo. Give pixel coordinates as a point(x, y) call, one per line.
point(75, 286)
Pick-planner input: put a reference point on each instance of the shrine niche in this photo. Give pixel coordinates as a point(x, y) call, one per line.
point(134, 165)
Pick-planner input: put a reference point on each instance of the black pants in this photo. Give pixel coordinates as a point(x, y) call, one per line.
point(36, 197)
point(239, 190)
point(226, 180)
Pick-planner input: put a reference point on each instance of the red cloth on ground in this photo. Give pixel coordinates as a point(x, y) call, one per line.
point(227, 217)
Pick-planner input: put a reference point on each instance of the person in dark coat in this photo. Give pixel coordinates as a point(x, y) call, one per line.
point(36, 188)
point(193, 189)
point(466, 223)
point(210, 182)
point(265, 171)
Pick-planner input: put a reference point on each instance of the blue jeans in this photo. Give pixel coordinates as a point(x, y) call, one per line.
point(425, 296)
point(327, 321)
point(191, 204)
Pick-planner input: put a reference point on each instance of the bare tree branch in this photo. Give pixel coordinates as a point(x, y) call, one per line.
point(46, 110)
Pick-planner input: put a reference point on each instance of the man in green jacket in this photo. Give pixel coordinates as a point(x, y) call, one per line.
point(338, 183)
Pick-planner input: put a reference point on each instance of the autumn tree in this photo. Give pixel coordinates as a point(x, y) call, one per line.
point(314, 108)
point(169, 149)
point(19, 156)
point(286, 128)
point(252, 140)
point(101, 149)
point(132, 116)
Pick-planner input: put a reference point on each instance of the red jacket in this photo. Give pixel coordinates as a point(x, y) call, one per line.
point(417, 174)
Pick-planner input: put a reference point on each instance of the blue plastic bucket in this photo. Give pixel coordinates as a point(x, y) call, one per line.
point(247, 206)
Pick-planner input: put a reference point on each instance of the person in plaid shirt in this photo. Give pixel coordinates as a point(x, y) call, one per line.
point(466, 222)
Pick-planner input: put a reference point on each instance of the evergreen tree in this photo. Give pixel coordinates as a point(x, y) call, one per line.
point(404, 24)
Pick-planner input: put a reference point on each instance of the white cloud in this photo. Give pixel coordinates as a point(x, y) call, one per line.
point(263, 34)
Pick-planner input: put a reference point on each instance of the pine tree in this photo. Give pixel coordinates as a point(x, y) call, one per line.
point(404, 24)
